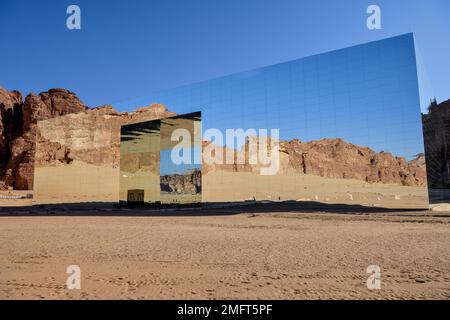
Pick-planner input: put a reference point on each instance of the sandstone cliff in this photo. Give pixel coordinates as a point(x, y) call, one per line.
point(91, 136)
point(88, 135)
point(18, 120)
point(188, 183)
point(10, 124)
point(338, 159)
point(335, 158)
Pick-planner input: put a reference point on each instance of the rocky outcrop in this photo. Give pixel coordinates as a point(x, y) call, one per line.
point(10, 127)
point(91, 136)
point(88, 135)
point(335, 158)
point(47, 105)
point(18, 121)
point(188, 183)
point(338, 159)
point(419, 160)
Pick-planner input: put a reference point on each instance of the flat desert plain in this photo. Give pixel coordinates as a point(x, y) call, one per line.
point(228, 253)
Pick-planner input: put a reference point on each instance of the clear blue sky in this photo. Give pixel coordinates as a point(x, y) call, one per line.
point(128, 49)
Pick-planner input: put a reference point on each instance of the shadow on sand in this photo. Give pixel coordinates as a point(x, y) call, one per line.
point(205, 209)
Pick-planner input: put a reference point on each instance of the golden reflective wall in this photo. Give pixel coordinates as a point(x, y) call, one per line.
point(139, 162)
point(180, 167)
point(160, 161)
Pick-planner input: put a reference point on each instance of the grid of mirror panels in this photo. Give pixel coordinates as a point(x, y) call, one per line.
point(366, 95)
point(160, 161)
point(139, 163)
point(180, 154)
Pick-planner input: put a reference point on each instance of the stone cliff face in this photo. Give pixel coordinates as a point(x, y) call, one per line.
point(10, 126)
point(335, 158)
point(18, 121)
point(88, 135)
point(338, 159)
point(188, 183)
point(91, 136)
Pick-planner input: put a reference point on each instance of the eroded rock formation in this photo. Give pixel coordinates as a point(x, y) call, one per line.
point(338, 159)
point(88, 135)
point(91, 136)
point(18, 121)
point(10, 119)
point(188, 183)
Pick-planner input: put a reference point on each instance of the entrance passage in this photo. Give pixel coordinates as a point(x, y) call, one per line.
point(160, 161)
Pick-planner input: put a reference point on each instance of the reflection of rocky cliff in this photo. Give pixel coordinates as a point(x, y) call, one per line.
point(335, 158)
point(88, 135)
point(91, 136)
point(436, 128)
point(18, 120)
point(188, 183)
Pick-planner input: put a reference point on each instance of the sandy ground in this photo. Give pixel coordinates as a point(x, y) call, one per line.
point(237, 255)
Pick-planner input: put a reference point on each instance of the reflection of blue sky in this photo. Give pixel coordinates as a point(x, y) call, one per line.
point(426, 89)
point(367, 95)
point(167, 166)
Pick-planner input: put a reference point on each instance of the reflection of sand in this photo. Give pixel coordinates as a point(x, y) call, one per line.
point(140, 180)
point(232, 186)
point(268, 256)
point(74, 183)
point(10, 198)
point(81, 182)
point(173, 198)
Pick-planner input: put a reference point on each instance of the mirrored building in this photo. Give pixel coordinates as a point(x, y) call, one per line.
point(343, 127)
point(155, 168)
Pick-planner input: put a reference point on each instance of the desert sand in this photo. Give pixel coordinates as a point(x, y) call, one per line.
point(229, 253)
